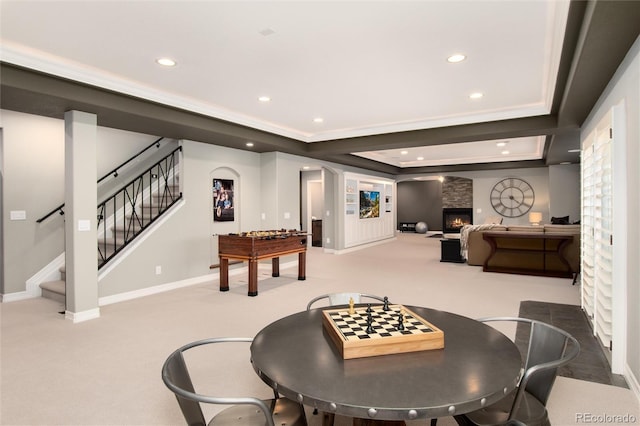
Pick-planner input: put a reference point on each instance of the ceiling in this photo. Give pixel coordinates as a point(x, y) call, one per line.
point(364, 83)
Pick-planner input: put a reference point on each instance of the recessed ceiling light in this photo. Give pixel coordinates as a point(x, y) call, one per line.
point(404, 152)
point(249, 144)
point(574, 150)
point(420, 158)
point(167, 62)
point(318, 120)
point(502, 143)
point(305, 167)
point(476, 95)
point(264, 98)
point(267, 32)
point(458, 57)
point(505, 152)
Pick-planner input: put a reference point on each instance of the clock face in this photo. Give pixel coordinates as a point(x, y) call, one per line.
point(512, 197)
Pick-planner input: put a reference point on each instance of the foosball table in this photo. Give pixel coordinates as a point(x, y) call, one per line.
point(254, 246)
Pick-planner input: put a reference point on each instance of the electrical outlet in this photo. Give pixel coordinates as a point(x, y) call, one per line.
point(328, 240)
point(158, 270)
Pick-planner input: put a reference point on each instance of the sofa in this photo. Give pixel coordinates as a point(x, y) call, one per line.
point(477, 249)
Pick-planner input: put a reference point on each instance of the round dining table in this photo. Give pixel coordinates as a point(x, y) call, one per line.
point(477, 367)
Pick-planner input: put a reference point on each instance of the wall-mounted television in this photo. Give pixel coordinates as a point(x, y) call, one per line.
point(369, 204)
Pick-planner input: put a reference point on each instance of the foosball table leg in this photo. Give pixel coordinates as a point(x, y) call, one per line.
point(253, 277)
point(224, 274)
point(302, 266)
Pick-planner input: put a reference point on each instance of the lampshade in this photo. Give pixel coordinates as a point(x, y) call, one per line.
point(535, 218)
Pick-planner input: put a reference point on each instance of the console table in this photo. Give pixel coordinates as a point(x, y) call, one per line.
point(528, 253)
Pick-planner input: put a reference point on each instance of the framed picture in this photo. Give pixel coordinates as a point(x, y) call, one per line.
point(223, 206)
point(369, 204)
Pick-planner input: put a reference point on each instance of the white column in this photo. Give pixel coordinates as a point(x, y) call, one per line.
point(80, 216)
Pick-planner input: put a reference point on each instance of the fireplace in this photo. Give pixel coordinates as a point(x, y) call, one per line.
point(453, 219)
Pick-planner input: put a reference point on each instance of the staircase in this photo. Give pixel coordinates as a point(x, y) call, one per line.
point(123, 232)
point(128, 219)
point(55, 290)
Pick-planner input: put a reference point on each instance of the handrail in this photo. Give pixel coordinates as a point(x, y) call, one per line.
point(137, 205)
point(113, 172)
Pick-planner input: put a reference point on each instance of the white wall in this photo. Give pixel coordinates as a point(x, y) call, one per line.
point(623, 92)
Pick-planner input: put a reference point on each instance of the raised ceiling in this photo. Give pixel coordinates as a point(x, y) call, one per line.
point(375, 73)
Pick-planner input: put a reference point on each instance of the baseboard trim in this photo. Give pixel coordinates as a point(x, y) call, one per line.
point(14, 297)
point(77, 317)
point(632, 381)
point(366, 245)
point(135, 294)
point(148, 291)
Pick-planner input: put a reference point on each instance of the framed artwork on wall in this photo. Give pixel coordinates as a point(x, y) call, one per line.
point(369, 204)
point(223, 205)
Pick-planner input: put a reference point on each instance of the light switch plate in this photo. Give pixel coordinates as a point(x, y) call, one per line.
point(18, 215)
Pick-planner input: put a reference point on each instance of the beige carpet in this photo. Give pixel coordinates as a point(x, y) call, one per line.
point(107, 371)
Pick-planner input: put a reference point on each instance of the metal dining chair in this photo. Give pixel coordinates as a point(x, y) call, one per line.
point(343, 298)
point(548, 348)
point(246, 411)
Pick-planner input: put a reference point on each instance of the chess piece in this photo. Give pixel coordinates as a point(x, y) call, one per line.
point(400, 326)
point(351, 309)
point(369, 310)
point(386, 307)
point(370, 329)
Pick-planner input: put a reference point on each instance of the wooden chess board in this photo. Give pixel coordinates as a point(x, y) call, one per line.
point(349, 331)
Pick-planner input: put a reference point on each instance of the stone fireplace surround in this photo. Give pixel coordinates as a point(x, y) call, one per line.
point(457, 204)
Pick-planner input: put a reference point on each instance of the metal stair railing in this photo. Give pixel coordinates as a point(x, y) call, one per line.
point(128, 212)
point(113, 173)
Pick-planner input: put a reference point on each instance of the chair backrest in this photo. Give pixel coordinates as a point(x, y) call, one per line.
point(343, 298)
point(549, 348)
point(175, 376)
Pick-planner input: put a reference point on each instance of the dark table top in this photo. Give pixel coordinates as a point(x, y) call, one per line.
point(477, 367)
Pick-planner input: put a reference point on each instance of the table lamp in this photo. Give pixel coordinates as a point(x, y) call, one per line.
point(535, 218)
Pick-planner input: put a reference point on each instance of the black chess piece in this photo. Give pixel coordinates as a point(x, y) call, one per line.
point(369, 310)
point(400, 326)
point(369, 324)
point(386, 307)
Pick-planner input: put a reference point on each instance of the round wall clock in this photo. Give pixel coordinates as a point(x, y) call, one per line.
point(512, 197)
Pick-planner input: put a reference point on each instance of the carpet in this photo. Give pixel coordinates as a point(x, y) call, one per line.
point(591, 364)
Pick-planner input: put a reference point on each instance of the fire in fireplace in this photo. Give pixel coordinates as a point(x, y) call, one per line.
point(453, 219)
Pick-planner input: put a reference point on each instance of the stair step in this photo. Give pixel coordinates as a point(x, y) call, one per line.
point(54, 290)
point(134, 227)
point(110, 242)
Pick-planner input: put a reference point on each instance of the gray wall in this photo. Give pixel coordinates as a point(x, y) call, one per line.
point(420, 201)
point(564, 198)
point(483, 182)
point(188, 234)
point(33, 181)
